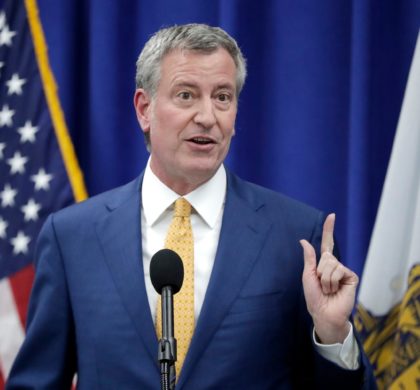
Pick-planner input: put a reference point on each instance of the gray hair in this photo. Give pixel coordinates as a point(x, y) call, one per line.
point(190, 37)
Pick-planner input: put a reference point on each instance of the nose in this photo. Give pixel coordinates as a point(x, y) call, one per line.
point(205, 115)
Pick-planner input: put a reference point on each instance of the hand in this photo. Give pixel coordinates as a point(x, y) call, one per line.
point(330, 288)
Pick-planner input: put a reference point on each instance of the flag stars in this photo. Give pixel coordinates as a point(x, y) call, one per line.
point(20, 243)
point(6, 36)
point(17, 163)
point(2, 19)
point(42, 180)
point(7, 196)
point(2, 146)
point(31, 210)
point(15, 85)
point(27, 132)
point(6, 115)
point(1, 66)
point(3, 227)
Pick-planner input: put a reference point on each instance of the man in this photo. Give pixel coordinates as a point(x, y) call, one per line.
point(93, 309)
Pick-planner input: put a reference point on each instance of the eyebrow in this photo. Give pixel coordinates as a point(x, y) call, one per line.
point(226, 86)
point(187, 84)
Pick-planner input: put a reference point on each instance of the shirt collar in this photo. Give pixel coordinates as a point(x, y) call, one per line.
point(207, 200)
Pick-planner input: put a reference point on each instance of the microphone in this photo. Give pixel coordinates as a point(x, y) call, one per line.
point(167, 275)
point(166, 269)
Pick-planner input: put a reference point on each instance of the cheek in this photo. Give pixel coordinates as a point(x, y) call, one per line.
point(172, 122)
point(229, 124)
point(229, 129)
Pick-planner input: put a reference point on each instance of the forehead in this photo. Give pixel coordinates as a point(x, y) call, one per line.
point(216, 66)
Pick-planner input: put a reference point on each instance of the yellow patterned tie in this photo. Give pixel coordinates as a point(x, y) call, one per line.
point(180, 240)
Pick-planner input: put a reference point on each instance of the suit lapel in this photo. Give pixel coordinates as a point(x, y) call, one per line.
point(241, 238)
point(119, 234)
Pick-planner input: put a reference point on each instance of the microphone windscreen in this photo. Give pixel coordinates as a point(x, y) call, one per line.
point(166, 269)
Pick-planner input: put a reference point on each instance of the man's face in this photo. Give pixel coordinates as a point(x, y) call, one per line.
point(191, 119)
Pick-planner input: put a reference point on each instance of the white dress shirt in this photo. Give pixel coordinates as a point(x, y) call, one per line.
point(207, 203)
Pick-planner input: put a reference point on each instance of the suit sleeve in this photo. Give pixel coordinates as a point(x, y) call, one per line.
point(47, 357)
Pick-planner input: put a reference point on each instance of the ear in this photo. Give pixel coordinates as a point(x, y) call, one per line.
point(142, 104)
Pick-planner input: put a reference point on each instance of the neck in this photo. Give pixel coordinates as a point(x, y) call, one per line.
point(180, 184)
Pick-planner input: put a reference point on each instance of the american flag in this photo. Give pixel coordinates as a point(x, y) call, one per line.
point(35, 175)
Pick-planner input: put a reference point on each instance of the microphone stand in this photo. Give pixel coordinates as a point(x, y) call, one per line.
point(167, 344)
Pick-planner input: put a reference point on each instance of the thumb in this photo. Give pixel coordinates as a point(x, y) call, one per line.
point(309, 257)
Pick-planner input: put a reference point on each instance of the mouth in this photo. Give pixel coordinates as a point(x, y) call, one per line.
point(201, 140)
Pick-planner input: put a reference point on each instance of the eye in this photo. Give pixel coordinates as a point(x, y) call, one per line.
point(185, 95)
point(224, 97)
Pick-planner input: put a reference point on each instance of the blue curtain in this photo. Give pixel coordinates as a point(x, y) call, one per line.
point(318, 113)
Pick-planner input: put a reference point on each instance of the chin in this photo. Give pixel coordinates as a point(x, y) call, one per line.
point(202, 172)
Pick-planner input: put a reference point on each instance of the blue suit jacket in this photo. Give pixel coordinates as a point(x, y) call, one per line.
point(89, 310)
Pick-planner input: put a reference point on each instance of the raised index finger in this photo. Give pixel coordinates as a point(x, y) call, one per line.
point(327, 244)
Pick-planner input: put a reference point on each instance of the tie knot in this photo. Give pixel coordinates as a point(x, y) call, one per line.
point(182, 208)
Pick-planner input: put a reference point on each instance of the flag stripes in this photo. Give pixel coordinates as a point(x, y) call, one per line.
point(12, 333)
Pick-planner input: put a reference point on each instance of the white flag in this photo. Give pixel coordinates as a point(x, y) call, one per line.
point(388, 313)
